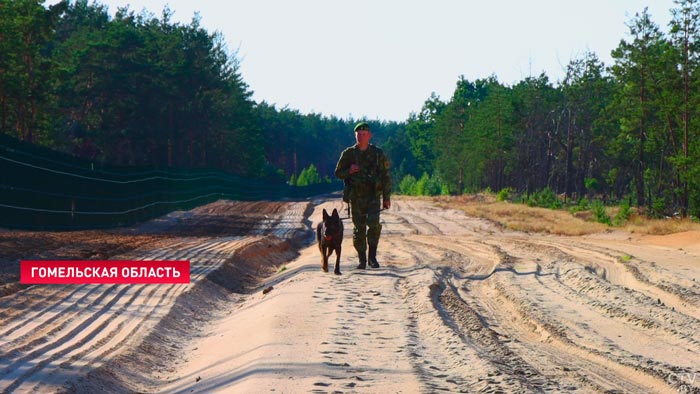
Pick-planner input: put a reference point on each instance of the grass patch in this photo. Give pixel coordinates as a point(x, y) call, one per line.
point(588, 219)
point(521, 217)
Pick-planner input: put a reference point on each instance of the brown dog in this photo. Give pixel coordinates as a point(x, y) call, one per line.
point(329, 234)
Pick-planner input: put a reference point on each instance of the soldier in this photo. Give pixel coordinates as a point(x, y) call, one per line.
point(365, 170)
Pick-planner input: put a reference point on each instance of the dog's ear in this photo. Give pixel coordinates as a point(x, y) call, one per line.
point(335, 213)
point(325, 214)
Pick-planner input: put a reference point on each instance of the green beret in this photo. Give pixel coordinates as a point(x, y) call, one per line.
point(362, 126)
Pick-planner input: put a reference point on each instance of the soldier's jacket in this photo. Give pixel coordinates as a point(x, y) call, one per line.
point(373, 178)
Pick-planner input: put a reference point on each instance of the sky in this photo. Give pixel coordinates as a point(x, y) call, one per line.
point(382, 59)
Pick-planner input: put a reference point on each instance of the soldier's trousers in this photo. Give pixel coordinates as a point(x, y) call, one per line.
point(365, 218)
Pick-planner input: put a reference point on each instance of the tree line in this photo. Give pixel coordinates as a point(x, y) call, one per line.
point(139, 89)
point(629, 131)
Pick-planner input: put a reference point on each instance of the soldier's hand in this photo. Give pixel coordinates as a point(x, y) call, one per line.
point(387, 204)
point(354, 168)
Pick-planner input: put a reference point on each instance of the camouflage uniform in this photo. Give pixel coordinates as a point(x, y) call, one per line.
point(366, 189)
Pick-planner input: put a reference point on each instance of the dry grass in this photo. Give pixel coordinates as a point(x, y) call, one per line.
point(521, 217)
point(641, 225)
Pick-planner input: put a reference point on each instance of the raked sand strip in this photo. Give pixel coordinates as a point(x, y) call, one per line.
point(313, 332)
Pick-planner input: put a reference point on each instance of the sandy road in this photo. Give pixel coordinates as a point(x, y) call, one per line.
point(462, 306)
point(458, 305)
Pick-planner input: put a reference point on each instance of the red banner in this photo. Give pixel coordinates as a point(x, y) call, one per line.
point(103, 271)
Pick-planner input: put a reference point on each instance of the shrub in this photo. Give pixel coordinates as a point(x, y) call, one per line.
point(419, 189)
point(425, 186)
point(308, 176)
point(545, 198)
point(623, 215)
point(599, 213)
point(504, 194)
point(591, 184)
point(658, 207)
point(433, 185)
point(407, 184)
point(583, 205)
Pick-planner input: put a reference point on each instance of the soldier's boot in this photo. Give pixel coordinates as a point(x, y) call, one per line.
point(363, 260)
point(373, 256)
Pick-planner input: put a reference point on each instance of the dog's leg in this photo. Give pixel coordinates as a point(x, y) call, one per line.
point(337, 261)
point(324, 259)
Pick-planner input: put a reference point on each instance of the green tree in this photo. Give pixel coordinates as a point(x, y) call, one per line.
point(420, 134)
point(639, 70)
point(26, 29)
point(587, 91)
point(458, 157)
point(138, 89)
point(492, 128)
point(536, 118)
point(685, 35)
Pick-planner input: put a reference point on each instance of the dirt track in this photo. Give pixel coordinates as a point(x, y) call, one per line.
point(458, 306)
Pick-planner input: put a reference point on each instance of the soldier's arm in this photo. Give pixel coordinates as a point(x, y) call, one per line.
point(342, 169)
